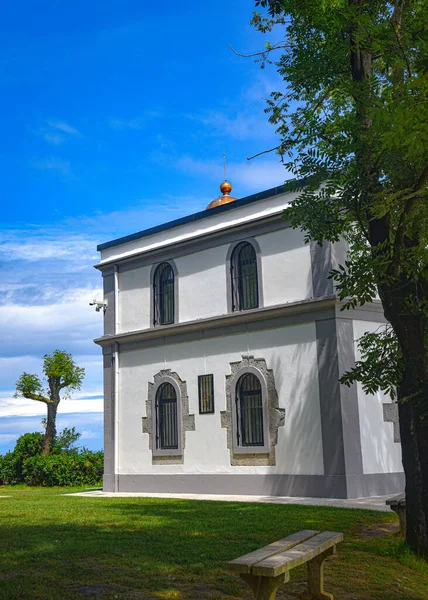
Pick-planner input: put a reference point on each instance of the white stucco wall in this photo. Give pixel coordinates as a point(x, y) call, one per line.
point(379, 451)
point(289, 351)
point(203, 278)
point(202, 284)
point(286, 266)
point(134, 300)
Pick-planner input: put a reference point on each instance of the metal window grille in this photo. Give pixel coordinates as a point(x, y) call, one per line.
point(245, 293)
point(163, 290)
point(166, 417)
point(249, 405)
point(206, 394)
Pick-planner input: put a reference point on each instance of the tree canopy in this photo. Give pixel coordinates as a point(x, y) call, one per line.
point(61, 376)
point(352, 121)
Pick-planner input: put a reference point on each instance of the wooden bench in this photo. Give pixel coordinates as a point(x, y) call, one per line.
point(266, 569)
point(398, 505)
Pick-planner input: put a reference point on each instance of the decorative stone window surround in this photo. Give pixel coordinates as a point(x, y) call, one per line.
point(185, 421)
point(273, 416)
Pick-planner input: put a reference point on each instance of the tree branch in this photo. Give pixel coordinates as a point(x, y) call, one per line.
point(263, 152)
point(262, 52)
point(37, 397)
point(397, 37)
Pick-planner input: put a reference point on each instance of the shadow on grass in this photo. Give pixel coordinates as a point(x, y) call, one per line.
point(62, 547)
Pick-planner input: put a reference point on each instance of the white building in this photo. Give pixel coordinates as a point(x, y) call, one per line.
point(223, 345)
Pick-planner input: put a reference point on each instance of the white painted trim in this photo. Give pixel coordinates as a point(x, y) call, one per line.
point(116, 299)
point(116, 355)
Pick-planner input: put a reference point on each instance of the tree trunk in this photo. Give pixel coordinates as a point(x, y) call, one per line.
point(413, 415)
point(50, 427)
point(414, 440)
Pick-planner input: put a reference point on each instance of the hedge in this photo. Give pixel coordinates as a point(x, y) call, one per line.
point(64, 469)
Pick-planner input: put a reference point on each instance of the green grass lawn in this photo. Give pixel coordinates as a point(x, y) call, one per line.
point(57, 547)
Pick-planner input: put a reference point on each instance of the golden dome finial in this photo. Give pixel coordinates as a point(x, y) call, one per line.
point(225, 189)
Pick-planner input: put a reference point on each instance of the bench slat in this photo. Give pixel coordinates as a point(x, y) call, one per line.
point(397, 500)
point(298, 555)
point(244, 563)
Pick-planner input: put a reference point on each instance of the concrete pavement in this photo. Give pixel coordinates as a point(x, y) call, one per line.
point(373, 503)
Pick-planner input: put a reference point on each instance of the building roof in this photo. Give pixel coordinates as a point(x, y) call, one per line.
point(203, 214)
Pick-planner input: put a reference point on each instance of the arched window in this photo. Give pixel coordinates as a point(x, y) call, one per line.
point(249, 407)
point(166, 417)
point(163, 295)
point(243, 267)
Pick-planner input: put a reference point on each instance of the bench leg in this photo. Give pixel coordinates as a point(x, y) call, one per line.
point(315, 589)
point(265, 588)
point(400, 511)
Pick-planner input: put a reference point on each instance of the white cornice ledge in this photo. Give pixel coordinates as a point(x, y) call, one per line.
point(248, 316)
point(191, 240)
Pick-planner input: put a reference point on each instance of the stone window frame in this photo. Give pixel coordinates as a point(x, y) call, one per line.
point(229, 287)
point(236, 425)
point(185, 421)
point(152, 293)
point(273, 415)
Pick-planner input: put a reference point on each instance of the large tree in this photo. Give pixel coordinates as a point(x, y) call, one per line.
point(352, 117)
point(62, 376)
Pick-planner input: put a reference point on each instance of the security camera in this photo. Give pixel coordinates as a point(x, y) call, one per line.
point(99, 304)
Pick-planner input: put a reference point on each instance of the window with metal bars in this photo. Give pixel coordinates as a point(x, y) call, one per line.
point(163, 295)
point(249, 409)
point(206, 394)
point(166, 418)
point(243, 266)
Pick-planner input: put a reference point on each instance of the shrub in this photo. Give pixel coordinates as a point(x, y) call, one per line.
point(10, 469)
point(64, 469)
point(27, 445)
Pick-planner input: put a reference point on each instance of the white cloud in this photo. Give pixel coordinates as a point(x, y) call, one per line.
point(53, 163)
point(69, 323)
point(65, 127)
point(56, 132)
point(45, 248)
point(89, 435)
point(122, 222)
point(11, 367)
point(247, 177)
point(87, 423)
point(135, 123)
point(23, 407)
point(120, 124)
point(5, 438)
point(241, 126)
point(261, 87)
point(260, 174)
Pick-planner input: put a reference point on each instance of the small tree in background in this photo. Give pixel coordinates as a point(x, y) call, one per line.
point(62, 376)
point(66, 440)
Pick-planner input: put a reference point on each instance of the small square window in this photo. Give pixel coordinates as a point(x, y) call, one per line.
point(206, 394)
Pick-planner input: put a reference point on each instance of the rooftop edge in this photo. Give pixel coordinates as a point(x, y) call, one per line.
point(288, 186)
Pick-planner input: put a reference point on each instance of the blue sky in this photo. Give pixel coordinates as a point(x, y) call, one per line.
point(115, 118)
